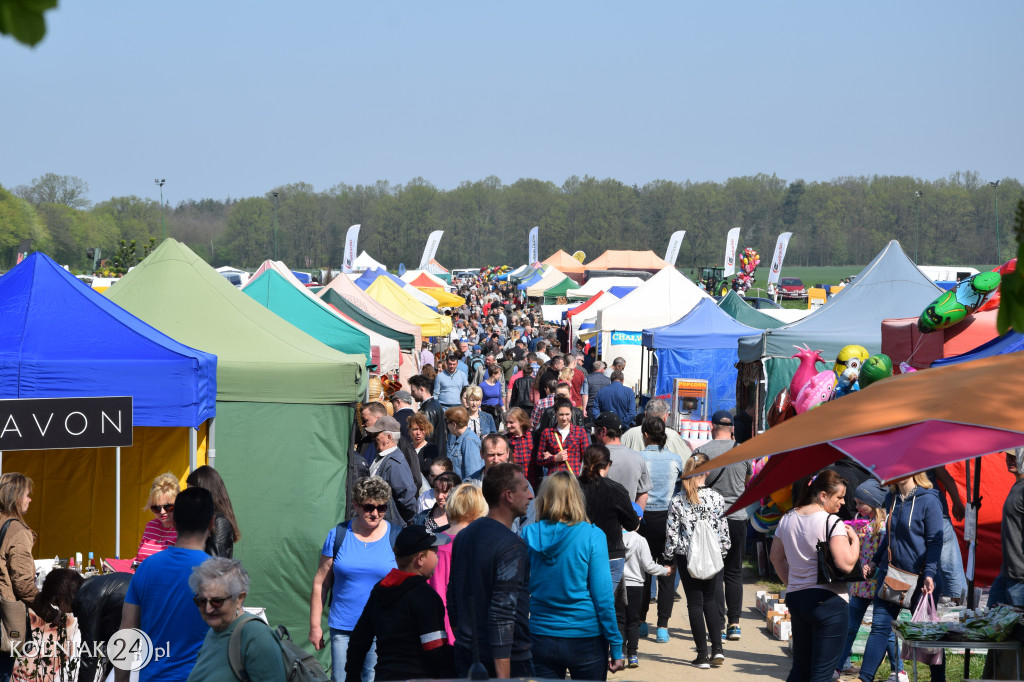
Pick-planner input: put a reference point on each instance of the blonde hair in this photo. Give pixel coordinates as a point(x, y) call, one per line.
point(690, 484)
point(920, 480)
point(566, 374)
point(163, 485)
point(13, 487)
point(560, 500)
point(473, 393)
point(465, 504)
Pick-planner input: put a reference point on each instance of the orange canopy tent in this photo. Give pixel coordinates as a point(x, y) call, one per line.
point(628, 260)
point(566, 264)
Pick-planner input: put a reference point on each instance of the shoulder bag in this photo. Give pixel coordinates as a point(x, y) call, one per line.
point(828, 572)
point(899, 585)
point(13, 614)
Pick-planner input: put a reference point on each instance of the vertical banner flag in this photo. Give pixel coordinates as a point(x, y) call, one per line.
point(430, 250)
point(780, 252)
point(350, 249)
point(730, 251)
point(534, 250)
point(674, 242)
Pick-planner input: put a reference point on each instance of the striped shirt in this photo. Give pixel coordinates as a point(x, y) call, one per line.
point(155, 538)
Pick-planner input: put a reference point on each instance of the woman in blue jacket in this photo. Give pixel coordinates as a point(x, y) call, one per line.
point(572, 610)
point(914, 535)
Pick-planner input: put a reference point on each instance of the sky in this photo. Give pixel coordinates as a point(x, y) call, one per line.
point(231, 99)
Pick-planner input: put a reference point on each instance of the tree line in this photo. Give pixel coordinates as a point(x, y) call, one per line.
point(844, 221)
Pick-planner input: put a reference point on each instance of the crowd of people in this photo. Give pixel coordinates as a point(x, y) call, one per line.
point(514, 509)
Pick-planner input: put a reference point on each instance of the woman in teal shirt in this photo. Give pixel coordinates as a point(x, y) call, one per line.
point(220, 586)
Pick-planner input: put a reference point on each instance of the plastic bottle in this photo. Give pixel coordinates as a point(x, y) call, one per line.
point(93, 566)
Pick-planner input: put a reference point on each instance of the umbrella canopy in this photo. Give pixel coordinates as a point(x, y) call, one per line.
point(895, 427)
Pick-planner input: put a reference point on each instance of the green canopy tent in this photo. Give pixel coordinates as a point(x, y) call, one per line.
point(552, 294)
point(743, 312)
point(285, 408)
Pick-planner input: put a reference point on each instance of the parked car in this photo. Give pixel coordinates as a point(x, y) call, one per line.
point(792, 287)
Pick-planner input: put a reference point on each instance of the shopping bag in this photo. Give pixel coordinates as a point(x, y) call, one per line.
point(924, 613)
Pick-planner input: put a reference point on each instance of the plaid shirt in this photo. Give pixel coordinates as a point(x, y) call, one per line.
point(538, 410)
point(522, 454)
point(574, 445)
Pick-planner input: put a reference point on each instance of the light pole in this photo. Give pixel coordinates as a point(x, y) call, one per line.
point(917, 235)
point(995, 196)
point(274, 194)
point(163, 218)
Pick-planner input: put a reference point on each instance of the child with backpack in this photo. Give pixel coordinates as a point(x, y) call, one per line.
point(638, 562)
point(697, 539)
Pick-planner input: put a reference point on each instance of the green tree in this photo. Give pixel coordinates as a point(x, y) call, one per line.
point(65, 190)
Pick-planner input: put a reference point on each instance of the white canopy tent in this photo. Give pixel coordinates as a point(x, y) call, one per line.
point(366, 262)
point(550, 279)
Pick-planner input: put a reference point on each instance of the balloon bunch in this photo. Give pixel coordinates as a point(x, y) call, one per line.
point(749, 260)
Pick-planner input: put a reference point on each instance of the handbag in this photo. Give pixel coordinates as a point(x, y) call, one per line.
point(924, 613)
point(899, 585)
point(13, 615)
point(828, 572)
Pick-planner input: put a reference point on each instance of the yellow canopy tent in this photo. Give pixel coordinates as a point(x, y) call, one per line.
point(391, 296)
point(442, 297)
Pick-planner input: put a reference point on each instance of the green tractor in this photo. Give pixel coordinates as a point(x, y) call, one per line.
point(712, 280)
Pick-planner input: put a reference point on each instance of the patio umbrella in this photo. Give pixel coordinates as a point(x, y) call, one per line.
point(895, 427)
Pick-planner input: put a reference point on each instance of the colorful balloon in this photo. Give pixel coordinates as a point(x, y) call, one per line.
point(817, 391)
point(781, 409)
point(806, 370)
point(850, 356)
point(959, 302)
point(875, 368)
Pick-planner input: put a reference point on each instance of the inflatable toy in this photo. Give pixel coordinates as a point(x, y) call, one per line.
point(1004, 269)
point(806, 370)
point(765, 519)
point(850, 356)
point(875, 368)
point(781, 408)
point(817, 391)
point(906, 369)
point(848, 381)
point(783, 498)
point(959, 302)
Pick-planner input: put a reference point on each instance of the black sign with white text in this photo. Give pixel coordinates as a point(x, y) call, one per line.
point(65, 423)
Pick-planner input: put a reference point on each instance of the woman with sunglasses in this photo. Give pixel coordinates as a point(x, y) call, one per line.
point(159, 533)
point(220, 586)
point(350, 569)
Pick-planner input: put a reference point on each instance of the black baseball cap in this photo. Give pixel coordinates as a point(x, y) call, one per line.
point(608, 420)
point(722, 418)
point(414, 539)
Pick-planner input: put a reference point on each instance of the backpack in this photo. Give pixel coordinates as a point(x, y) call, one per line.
point(475, 363)
point(705, 558)
point(521, 393)
point(299, 665)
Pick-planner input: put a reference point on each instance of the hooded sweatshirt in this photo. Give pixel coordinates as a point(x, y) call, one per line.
point(914, 531)
point(570, 584)
point(406, 616)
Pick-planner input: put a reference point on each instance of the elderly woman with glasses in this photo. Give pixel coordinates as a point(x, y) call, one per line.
point(159, 533)
point(350, 565)
point(220, 586)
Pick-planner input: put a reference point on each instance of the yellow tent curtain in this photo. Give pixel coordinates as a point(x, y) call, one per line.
point(391, 296)
point(442, 297)
point(74, 492)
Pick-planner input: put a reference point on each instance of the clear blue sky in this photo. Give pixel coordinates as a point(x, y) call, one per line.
point(230, 98)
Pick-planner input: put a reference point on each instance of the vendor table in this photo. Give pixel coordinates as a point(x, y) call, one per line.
point(914, 644)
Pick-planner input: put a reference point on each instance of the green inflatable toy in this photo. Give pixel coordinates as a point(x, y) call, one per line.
point(875, 368)
point(959, 302)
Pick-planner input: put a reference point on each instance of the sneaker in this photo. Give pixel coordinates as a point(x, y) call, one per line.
point(902, 676)
point(644, 630)
point(733, 632)
point(835, 675)
point(702, 662)
point(717, 660)
point(725, 638)
point(633, 662)
point(662, 637)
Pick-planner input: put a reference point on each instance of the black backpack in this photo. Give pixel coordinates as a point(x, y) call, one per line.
point(521, 394)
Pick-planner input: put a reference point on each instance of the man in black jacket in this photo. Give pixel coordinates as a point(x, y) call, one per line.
point(422, 390)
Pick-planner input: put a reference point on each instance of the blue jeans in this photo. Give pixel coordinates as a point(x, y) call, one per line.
point(951, 564)
point(339, 654)
point(820, 619)
point(618, 566)
point(858, 607)
point(585, 658)
point(464, 661)
point(1006, 591)
point(883, 613)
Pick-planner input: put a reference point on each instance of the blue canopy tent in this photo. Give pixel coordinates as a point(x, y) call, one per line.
point(620, 292)
point(1010, 342)
point(700, 345)
point(61, 339)
point(303, 277)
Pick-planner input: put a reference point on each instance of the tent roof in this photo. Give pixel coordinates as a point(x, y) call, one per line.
point(523, 274)
point(706, 326)
point(1010, 342)
point(261, 358)
point(596, 284)
point(370, 276)
point(661, 300)
point(441, 297)
point(889, 286)
point(59, 338)
point(435, 268)
point(552, 277)
point(365, 262)
point(535, 278)
point(560, 288)
point(902, 341)
point(564, 262)
point(422, 278)
point(734, 305)
point(394, 297)
point(583, 307)
point(627, 260)
point(353, 301)
point(291, 301)
point(621, 292)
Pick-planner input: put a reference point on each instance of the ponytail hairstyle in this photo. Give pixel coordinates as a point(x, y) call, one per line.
point(654, 429)
point(595, 458)
point(825, 481)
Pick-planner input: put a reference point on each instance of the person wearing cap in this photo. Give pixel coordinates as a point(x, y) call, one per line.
point(405, 616)
point(617, 398)
point(729, 482)
point(390, 464)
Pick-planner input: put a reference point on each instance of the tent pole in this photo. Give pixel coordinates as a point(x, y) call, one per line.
point(192, 445)
point(117, 505)
point(1, 462)
point(211, 446)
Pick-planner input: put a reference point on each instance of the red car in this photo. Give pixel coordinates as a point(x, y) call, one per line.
point(792, 287)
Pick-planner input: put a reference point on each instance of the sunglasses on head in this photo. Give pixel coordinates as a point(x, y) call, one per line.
point(155, 508)
point(215, 602)
point(381, 508)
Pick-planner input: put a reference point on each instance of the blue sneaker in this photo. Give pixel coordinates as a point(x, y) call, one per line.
point(644, 630)
point(733, 632)
point(634, 662)
point(662, 635)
